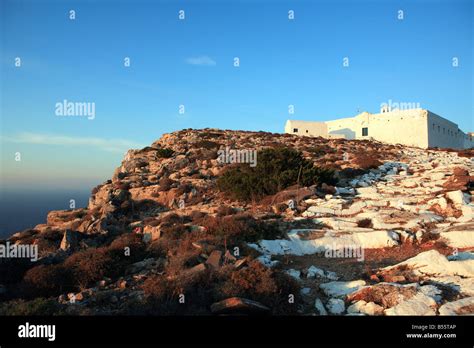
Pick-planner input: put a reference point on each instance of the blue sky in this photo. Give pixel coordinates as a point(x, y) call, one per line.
point(190, 62)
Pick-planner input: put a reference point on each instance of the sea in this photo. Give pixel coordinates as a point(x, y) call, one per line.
point(20, 210)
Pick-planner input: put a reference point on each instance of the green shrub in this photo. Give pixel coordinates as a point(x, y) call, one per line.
point(276, 169)
point(38, 306)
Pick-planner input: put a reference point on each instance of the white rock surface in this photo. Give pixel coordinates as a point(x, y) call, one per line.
point(433, 263)
point(341, 289)
point(420, 304)
point(452, 308)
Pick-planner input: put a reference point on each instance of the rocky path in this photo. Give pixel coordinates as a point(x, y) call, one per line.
point(418, 212)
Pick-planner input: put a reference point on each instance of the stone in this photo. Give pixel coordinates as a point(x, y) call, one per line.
point(458, 181)
point(345, 191)
point(319, 306)
point(195, 270)
point(69, 241)
point(294, 273)
point(460, 307)
point(328, 188)
point(420, 304)
point(141, 265)
point(457, 197)
point(318, 272)
point(238, 305)
point(151, 233)
point(372, 308)
point(437, 176)
point(336, 306)
point(305, 291)
point(228, 257)
point(240, 263)
point(341, 289)
point(356, 307)
point(214, 260)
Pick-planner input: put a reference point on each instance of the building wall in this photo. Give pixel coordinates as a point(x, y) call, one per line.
point(308, 128)
point(408, 127)
point(413, 127)
point(444, 133)
point(469, 140)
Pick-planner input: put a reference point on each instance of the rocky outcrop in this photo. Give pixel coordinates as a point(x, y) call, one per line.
point(409, 212)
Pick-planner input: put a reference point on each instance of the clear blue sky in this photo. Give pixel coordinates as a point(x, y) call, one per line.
point(190, 62)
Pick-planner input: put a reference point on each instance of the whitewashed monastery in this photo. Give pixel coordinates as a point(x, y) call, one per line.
point(413, 127)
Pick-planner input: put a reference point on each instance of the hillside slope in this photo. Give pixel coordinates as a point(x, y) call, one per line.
point(318, 226)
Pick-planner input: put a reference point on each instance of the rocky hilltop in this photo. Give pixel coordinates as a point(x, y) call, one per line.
point(314, 227)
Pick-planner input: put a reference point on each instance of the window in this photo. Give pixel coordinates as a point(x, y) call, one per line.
point(444, 130)
point(365, 131)
point(433, 126)
point(295, 130)
point(306, 131)
point(439, 129)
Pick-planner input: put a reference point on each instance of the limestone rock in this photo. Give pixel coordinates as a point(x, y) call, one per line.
point(69, 241)
point(238, 305)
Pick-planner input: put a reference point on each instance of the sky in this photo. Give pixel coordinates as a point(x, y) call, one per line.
point(190, 62)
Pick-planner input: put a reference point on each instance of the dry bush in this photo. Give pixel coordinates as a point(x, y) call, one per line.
point(90, 266)
point(197, 216)
point(176, 232)
point(225, 210)
point(38, 306)
point(128, 240)
point(259, 283)
point(46, 280)
point(173, 219)
point(162, 295)
point(239, 227)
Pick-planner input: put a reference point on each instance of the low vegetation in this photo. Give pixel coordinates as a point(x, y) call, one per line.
point(276, 169)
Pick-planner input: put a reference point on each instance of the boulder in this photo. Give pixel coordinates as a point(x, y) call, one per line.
point(336, 306)
point(69, 241)
point(238, 305)
point(457, 197)
point(341, 289)
point(463, 306)
point(458, 181)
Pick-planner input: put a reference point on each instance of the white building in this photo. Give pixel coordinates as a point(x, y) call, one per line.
point(413, 127)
